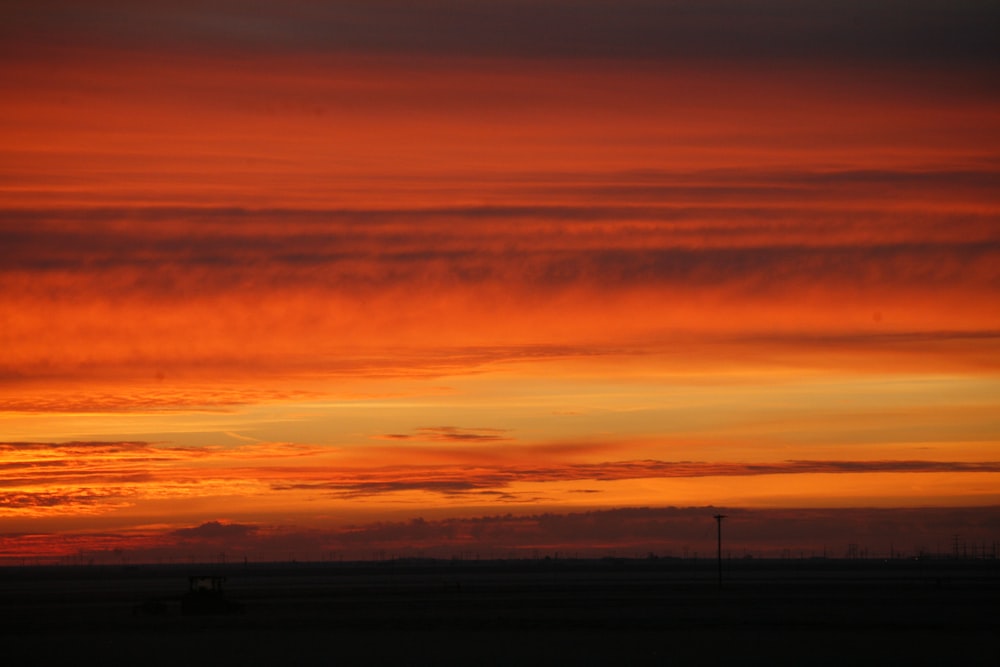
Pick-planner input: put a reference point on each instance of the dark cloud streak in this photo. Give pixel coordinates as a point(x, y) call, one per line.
point(451, 434)
point(454, 480)
point(635, 29)
point(439, 247)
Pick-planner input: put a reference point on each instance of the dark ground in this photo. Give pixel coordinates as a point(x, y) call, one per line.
point(617, 612)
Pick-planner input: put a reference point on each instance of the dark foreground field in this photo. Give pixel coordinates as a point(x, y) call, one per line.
point(511, 613)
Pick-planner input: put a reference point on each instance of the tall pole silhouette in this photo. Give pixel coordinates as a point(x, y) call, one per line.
point(718, 521)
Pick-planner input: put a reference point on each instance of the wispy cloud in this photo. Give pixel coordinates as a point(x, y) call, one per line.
point(69, 500)
point(391, 287)
point(451, 434)
point(63, 478)
point(38, 479)
point(464, 480)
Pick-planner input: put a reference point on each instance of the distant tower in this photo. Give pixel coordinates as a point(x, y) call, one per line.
point(718, 521)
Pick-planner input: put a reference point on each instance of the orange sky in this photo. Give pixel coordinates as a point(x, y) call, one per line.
point(305, 269)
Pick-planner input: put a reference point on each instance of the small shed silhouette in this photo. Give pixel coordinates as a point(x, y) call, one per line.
point(206, 595)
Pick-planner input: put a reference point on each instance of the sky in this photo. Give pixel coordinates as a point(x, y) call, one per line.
point(355, 279)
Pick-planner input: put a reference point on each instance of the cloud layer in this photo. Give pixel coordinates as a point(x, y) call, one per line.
point(377, 260)
point(529, 29)
point(678, 532)
point(55, 479)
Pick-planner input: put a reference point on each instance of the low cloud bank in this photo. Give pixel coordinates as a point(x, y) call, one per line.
point(683, 532)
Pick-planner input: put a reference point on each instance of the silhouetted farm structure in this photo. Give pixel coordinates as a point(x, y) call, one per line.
point(206, 595)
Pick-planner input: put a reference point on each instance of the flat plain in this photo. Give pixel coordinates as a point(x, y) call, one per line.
point(516, 612)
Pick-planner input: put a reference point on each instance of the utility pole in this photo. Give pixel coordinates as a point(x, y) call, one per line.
point(718, 521)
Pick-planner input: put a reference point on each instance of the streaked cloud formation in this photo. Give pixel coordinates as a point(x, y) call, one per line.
point(56, 479)
point(325, 263)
